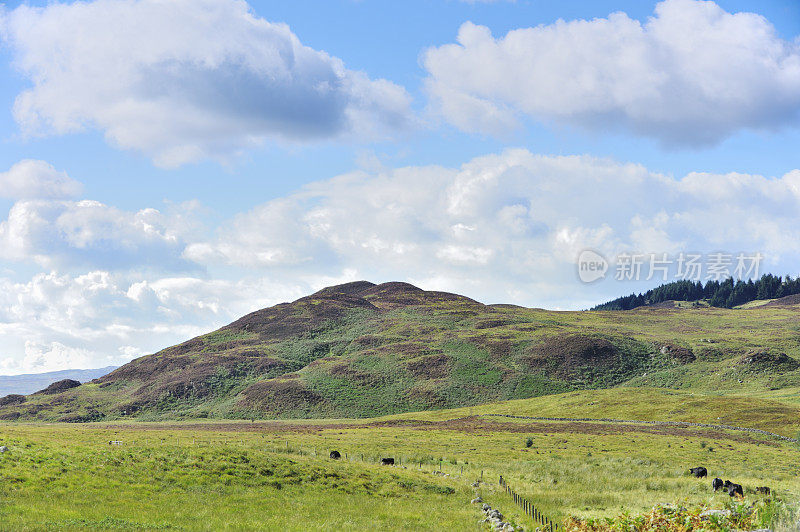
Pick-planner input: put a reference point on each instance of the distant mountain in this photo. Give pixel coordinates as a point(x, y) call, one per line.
point(32, 382)
point(363, 350)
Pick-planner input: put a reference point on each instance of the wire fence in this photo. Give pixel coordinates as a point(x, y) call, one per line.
point(530, 509)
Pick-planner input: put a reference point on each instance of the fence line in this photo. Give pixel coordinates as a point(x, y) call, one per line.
point(529, 508)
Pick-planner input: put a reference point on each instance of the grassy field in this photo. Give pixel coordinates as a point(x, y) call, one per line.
point(277, 475)
point(69, 478)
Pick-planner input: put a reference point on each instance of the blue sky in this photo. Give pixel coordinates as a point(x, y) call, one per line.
point(167, 169)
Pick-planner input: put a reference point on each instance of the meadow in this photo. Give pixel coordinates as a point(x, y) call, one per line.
point(237, 475)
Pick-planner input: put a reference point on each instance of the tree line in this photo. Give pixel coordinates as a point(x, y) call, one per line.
point(726, 294)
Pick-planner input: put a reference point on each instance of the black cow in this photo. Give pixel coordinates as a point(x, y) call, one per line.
point(717, 484)
point(699, 472)
point(727, 485)
point(735, 489)
point(763, 489)
point(387, 461)
point(335, 455)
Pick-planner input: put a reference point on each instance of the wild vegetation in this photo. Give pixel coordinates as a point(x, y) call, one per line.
point(362, 350)
point(215, 475)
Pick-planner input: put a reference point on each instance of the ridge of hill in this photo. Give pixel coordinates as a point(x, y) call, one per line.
point(361, 349)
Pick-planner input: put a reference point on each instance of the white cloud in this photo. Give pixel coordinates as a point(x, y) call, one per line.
point(187, 79)
point(56, 321)
point(37, 179)
point(692, 74)
point(80, 233)
point(511, 223)
point(54, 356)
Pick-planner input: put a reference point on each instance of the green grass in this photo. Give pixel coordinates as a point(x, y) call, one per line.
point(212, 476)
point(223, 336)
point(70, 478)
point(647, 404)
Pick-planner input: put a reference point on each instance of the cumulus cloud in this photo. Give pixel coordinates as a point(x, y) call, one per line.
point(187, 79)
point(508, 226)
point(57, 321)
point(37, 179)
point(65, 233)
point(690, 75)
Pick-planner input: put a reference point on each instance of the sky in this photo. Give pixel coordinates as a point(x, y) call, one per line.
point(167, 166)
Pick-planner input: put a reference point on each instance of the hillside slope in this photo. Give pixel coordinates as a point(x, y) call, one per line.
point(361, 349)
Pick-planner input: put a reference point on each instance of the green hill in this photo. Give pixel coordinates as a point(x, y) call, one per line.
point(360, 349)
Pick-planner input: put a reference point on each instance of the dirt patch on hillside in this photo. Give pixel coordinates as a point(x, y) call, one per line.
point(12, 399)
point(304, 316)
point(186, 376)
point(426, 396)
point(348, 370)
point(565, 356)
point(678, 353)
point(788, 301)
point(352, 288)
point(407, 350)
point(491, 324)
point(663, 305)
point(388, 296)
point(430, 367)
point(279, 395)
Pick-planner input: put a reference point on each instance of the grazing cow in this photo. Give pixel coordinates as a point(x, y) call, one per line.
point(735, 489)
point(387, 461)
point(717, 484)
point(763, 490)
point(699, 472)
point(335, 455)
point(727, 485)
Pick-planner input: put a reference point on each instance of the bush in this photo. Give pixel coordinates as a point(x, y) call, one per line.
point(529, 442)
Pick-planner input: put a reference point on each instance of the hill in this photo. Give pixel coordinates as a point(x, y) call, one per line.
point(30, 382)
point(360, 350)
